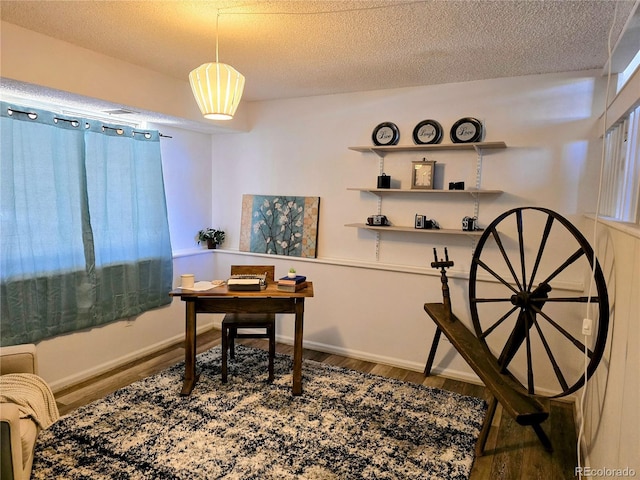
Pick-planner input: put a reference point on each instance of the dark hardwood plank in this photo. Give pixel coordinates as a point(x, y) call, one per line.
point(482, 465)
point(564, 438)
point(508, 452)
point(349, 363)
point(536, 462)
point(433, 381)
point(314, 355)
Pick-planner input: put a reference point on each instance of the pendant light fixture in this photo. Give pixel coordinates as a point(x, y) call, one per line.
point(217, 87)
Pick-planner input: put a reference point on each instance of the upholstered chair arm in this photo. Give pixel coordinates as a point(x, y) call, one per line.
point(11, 444)
point(18, 435)
point(18, 359)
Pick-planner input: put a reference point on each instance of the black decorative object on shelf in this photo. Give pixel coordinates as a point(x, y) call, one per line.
point(470, 224)
point(378, 221)
point(424, 223)
point(427, 132)
point(386, 133)
point(467, 130)
point(384, 181)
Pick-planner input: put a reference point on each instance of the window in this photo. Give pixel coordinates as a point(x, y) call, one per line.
point(621, 182)
point(625, 75)
point(85, 235)
point(620, 194)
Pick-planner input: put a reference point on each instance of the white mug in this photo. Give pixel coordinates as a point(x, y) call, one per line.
point(187, 280)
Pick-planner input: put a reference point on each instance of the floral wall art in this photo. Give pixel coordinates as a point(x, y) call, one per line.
point(280, 225)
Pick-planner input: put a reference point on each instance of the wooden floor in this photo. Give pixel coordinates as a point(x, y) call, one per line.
point(512, 452)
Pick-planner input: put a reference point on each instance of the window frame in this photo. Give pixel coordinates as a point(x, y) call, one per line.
point(620, 195)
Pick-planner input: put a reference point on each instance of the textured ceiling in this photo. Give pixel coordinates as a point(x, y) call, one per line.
point(302, 48)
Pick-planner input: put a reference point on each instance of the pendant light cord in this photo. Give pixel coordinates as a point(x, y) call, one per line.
point(217, 20)
point(594, 241)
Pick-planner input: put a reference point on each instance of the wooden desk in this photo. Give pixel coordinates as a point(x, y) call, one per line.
point(221, 300)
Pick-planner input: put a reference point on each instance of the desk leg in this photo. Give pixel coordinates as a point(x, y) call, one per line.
point(297, 348)
point(190, 377)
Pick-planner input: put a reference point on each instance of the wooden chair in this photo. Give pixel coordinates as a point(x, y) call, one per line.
point(265, 322)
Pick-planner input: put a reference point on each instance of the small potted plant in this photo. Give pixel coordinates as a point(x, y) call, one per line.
point(292, 273)
point(212, 236)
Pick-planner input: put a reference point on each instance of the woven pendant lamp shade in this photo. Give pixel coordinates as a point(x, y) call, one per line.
point(217, 88)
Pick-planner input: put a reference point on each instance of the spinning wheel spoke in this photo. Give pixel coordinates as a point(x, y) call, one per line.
point(521, 242)
point(498, 241)
point(490, 300)
point(556, 368)
point(531, 320)
point(543, 243)
point(498, 277)
point(574, 299)
point(513, 344)
point(498, 323)
point(565, 265)
point(569, 337)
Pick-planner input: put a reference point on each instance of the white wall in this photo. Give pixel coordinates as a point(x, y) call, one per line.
point(300, 147)
point(611, 417)
point(187, 170)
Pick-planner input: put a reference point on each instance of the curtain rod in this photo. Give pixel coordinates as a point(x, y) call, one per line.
point(76, 123)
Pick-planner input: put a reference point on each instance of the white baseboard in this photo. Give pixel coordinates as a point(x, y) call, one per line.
point(396, 362)
point(391, 361)
point(83, 375)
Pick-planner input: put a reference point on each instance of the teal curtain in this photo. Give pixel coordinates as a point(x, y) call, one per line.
point(84, 230)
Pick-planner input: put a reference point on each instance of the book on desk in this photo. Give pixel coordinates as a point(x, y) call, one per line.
point(289, 284)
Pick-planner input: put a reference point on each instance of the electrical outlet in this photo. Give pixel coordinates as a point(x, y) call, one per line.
point(587, 326)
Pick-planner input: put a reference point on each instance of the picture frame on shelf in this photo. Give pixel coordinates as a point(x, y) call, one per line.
point(422, 174)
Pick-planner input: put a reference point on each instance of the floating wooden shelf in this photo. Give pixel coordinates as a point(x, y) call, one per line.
point(441, 231)
point(381, 151)
point(382, 191)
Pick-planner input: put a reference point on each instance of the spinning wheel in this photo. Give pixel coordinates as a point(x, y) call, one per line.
point(540, 309)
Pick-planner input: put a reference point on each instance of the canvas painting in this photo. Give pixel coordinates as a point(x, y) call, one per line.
point(280, 225)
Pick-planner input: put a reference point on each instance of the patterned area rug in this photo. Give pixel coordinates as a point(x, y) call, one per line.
point(346, 425)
